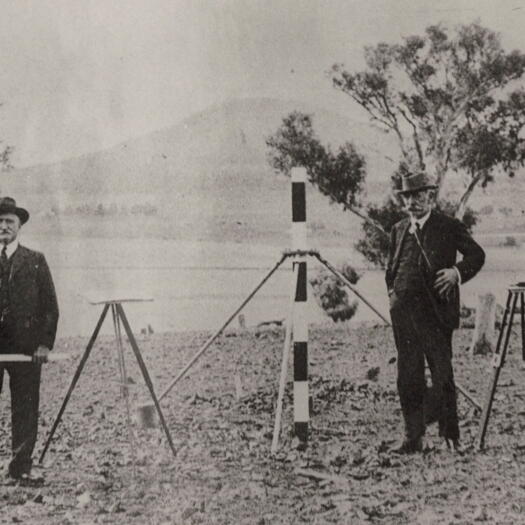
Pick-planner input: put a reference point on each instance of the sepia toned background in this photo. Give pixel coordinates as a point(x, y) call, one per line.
point(138, 134)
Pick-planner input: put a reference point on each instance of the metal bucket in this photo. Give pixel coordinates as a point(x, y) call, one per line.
point(147, 415)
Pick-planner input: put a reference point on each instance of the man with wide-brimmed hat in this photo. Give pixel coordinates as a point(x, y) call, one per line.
point(28, 323)
point(423, 277)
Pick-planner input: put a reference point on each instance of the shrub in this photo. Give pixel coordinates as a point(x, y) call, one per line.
point(331, 295)
point(510, 242)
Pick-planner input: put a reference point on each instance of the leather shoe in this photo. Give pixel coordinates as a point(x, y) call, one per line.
point(454, 446)
point(409, 446)
point(9, 481)
point(25, 479)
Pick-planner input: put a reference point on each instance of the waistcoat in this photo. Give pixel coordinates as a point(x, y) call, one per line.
point(408, 275)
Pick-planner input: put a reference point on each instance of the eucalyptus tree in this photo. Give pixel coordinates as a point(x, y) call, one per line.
point(453, 100)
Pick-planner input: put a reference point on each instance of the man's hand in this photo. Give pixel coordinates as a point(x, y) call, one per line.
point(41, 354)
point(446, 280)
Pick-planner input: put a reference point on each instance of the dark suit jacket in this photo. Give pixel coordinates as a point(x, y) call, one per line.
point(442, 238)
point(33, 302)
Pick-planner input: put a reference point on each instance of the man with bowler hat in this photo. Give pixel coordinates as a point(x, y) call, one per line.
point(28, 323)
point(423, 277)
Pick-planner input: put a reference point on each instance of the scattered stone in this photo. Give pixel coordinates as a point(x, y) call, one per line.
point(373, 373)
point(480, 514)
point(83, 500)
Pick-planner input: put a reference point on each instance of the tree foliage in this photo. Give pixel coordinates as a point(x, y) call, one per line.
point(374, 244)
point(5, 155)
point(453, 101)
point(331, 294)
point(339, 175)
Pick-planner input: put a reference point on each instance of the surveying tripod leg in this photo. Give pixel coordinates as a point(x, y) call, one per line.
point(498, 361)
point(120, 351)
point(75, 380)
point(145, 373)
point(124, 386)
point(212, 338)
point(284, 371)
point(349, 285)
point(282, 386)
point(522, 315)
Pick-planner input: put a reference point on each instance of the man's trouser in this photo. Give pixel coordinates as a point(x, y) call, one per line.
point(419, 335)
point(24, 383)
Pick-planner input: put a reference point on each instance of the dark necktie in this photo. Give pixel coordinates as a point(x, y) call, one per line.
point(3, 256)
point(417, 234)
point(4, 277)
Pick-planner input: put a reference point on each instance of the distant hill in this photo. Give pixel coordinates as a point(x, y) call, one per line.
point(231, 135)
point(206, 177)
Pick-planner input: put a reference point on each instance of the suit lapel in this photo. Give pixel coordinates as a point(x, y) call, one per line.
point(19, 258)
point(403, 229)
point(427, 227)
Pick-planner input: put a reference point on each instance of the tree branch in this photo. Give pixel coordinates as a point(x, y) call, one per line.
point(414, 134)
point(423, 91)
point(395, 125)
point(366, 218)
point(367, 108)
point(462, 204)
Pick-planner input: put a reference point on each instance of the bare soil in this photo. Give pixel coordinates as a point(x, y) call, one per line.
point(96, 472)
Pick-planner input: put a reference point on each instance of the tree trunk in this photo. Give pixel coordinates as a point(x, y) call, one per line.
point(367, 219)
point(440, 169)
point(462, 205)
point(440, 176)
point(484, 332)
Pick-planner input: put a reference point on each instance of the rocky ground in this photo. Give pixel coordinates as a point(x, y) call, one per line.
point(221, 419)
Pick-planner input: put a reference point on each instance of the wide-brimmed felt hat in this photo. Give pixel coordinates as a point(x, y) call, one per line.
point(415, 182)
point(8, 205)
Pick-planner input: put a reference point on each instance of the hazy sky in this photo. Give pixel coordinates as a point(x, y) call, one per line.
point(82, 75)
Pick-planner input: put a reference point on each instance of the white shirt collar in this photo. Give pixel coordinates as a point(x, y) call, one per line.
point(421, 221)
point(11, 248)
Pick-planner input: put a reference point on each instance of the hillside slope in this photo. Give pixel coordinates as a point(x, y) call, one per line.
point(208, 177)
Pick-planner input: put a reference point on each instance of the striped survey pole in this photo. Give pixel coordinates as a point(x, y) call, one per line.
point(300, 325)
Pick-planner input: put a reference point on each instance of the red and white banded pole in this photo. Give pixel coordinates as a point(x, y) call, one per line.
point(300, 324)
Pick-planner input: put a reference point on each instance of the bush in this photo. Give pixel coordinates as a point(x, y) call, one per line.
point(331, 295)
point(510, 242)
point(374, 244)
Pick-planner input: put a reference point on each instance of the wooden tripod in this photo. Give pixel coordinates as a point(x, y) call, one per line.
point(118, 317)
point(515, 292)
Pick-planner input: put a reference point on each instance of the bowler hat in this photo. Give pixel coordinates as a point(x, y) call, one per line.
point(8, 205)
point(415, 182)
